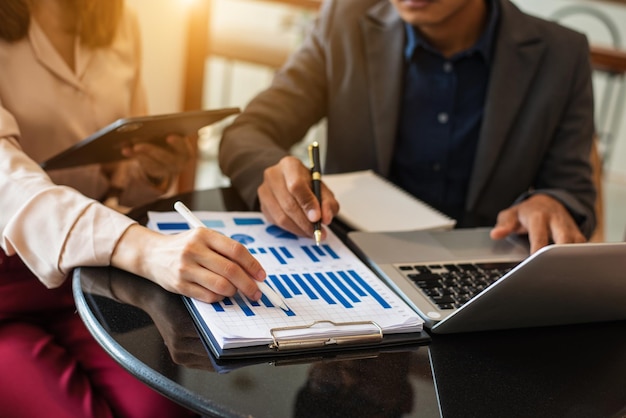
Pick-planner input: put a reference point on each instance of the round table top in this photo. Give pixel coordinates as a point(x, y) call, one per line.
point(575, 370)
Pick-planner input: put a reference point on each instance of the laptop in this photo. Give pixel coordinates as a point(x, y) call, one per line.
point(461, 280)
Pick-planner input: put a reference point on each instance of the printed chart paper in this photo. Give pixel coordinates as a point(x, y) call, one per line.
point(325, 283)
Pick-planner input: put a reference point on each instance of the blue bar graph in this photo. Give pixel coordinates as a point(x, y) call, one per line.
point(285, 255)
point(218, 307)
point(312, 279)
point(305, 287)
point(319, 289)
point(290, 284)
point(266, 301)
point(248, 221)
point(173, 226)
point(211, 223)
point(353, 285)
point(243, 305)
point(281, 254)
point(184, 226)
point(333, 290)
point(286, 252)
point(279, 286)
point(308, 252)
point(314, 252)
point(369, 289)
point(345, 288)
point(276, 254)
point(330, 251)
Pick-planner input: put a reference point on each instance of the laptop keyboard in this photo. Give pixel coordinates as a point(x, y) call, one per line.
point(451, 285)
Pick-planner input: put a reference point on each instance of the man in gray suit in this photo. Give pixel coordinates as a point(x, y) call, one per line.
point(480, 110)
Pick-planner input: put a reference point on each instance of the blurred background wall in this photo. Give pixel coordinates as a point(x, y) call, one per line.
point(250, 38)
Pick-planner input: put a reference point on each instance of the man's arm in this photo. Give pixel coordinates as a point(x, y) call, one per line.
point(278, 117)
point(561, 206)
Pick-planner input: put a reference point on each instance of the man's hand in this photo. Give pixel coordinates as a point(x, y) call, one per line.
point(288, 201)
point(543, 218)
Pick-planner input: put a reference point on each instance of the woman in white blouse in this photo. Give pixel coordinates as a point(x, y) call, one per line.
point(68, 68)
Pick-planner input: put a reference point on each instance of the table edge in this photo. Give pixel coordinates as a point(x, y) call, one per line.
point(134, 366)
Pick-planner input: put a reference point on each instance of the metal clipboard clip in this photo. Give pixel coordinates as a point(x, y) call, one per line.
point(372, 333)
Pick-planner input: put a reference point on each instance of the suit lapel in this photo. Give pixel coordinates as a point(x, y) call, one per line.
point(516, 61)
point(383, 34)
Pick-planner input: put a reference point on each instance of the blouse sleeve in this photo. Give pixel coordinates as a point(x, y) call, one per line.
point(51, 228)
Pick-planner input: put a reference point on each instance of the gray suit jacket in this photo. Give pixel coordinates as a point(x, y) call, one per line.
point(537, 128)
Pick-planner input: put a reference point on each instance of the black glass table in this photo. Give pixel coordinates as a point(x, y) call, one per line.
point(570, 371)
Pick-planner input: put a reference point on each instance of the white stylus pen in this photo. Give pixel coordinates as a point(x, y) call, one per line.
point(263, 287)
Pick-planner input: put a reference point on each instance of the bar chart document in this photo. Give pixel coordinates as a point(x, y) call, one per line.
point(333, 298)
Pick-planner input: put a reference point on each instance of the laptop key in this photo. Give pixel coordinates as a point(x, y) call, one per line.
point(424, 276)
point(467, 267)
point(449, 282)
point(428, 285)
point(496, 265)
point(450, 286)
point(431, 292)
point(443, 299)
point(422, 269)
point(463, 298)
point(449, 291)
point(451, 267)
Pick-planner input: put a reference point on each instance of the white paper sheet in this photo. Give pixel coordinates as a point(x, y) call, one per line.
point(325, 283)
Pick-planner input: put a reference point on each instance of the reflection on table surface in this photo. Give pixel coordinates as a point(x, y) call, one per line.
point(572, 371)
point(141, 317)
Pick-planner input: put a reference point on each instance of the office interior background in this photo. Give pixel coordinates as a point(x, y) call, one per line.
point(249, 38)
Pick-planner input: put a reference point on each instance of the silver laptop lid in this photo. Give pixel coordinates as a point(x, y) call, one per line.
point(387, 254)
point(558, 285)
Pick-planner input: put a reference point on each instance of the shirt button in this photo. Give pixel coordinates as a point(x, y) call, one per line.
point(436, 167)
point(442, 117)
point(447, 67)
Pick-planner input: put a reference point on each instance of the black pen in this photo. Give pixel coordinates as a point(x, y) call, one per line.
point(316, 175)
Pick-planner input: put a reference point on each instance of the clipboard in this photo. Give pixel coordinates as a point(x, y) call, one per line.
point(227, 365)
point(334, 301)
point(105, 145)
point(283, 346)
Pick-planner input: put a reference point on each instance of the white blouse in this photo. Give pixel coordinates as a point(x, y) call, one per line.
point(54, 221)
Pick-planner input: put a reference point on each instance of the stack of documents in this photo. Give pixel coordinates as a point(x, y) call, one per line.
point(333, 298)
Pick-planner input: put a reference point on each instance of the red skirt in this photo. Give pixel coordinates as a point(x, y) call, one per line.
point(52, 366)
point(23, 295)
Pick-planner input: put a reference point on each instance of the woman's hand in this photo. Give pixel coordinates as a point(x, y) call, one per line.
point(160, 164)
point(200, 263)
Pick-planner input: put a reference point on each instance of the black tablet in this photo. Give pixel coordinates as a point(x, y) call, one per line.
point(105, 145)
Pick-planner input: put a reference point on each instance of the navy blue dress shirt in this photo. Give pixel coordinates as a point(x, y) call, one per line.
point(440, 119)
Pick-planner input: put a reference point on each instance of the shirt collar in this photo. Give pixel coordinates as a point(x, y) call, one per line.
point(483, 46)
